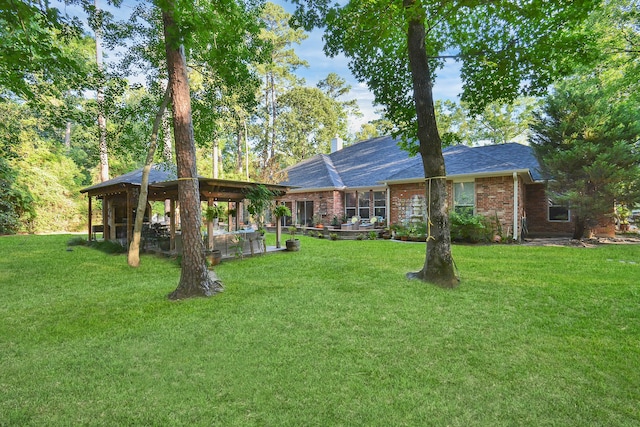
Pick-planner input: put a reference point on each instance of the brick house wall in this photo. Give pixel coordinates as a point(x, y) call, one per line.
point(537, 216)
point(494, 199)
point(325, 203)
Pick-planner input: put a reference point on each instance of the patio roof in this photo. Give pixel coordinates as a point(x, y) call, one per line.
point(163, 185)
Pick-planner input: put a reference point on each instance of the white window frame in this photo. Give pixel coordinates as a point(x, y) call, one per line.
point(465, 206)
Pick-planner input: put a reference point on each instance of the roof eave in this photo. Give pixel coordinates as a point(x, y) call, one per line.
point(464, 176)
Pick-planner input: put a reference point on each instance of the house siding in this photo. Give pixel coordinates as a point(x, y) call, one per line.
point(325, 203)
point(537, 216)
point(494, 199)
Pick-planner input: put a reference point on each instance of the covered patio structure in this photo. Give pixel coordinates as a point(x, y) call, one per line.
point(120, 195)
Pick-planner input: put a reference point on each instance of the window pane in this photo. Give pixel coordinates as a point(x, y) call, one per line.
point(350, 212)
point(350, 200)
point(363, 199)
point(464, 194)
point(558, 213)
point(380, 212)
point(364, 213)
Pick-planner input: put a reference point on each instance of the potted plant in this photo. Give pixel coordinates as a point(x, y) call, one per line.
point(622, 215)
point(335, 222)
point(293, 244)
point(259, 198)
point(280, 211)
point(317, 221)
point(211, 215)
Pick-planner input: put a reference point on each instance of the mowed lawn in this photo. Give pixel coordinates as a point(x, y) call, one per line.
point(333, 335)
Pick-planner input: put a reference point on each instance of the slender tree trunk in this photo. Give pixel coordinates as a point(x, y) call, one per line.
point(102, 120)
point(268, 121)
point(438, 266)
point(579, 227)
point(274, 114)
point(133, 257)
point(195, 279)
point(67, 136)
point(239, 150)
point(167, 150)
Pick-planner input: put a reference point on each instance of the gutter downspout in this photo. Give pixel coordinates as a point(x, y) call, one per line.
point(388, 202)
point(515, 206)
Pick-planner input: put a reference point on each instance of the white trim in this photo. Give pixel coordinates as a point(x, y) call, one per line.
point(465, 177)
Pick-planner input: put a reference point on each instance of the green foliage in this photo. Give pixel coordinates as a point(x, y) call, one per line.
point(499, 45)
point(309, 119)
point(16, 203)
point(333, 236)
point(496, 124)
point(373, 235)
point(470, 228)
point(214, 211)
point(586, 140)
point(259, 197)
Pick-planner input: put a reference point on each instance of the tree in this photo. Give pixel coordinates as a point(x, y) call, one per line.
point(133, 256)
point(195, 279)
point(308, 121)
point(587, 142)
point(498, 123)
point(335, 87)
point(505, 49)
point(278, 77)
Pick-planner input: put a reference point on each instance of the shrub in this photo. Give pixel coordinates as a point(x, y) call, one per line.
point(469, 228)
point(333, 236)
point(373, 235)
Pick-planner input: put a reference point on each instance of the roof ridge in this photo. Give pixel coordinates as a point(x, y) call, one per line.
point(336, 179)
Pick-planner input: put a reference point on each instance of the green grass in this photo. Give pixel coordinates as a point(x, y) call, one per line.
point(333, 335)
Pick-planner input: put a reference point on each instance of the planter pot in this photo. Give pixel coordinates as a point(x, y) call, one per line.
point(293, 245)
point(213, 257)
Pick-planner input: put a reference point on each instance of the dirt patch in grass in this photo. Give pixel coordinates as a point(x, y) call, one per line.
point(582, 243)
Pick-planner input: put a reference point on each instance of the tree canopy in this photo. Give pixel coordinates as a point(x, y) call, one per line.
point(396, 47)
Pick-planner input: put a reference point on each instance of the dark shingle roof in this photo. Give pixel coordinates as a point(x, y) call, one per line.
point(158, 173)
point(370, 162)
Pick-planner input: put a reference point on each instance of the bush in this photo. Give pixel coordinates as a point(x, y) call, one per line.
point(469, 228)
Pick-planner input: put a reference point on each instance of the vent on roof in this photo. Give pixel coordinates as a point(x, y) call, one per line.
point(336, 144)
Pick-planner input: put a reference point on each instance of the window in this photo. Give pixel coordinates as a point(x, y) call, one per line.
point(380, 204)
point(557, 212)
point(464, 197)
point(304, 213)
point(363, 205)
point(350, 204)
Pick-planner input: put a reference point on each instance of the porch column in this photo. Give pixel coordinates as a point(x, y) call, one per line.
point(516, 217)
point(90, 224)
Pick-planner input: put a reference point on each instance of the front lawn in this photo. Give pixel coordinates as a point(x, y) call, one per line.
point(331, 335)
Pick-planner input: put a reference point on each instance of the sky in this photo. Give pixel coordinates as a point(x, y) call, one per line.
point(447, 86)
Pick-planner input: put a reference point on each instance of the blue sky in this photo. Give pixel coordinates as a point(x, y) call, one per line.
point(447, 85)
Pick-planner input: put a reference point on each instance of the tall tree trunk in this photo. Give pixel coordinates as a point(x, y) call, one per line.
point(102, 120)
point(274, 114)
point(268, 121)
point(239, 149)
point(438, 266)
point(579, 227)
point(133, 257)
point(195, 279)
point(216, 159)
point(67, 136)
point(167, 150)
